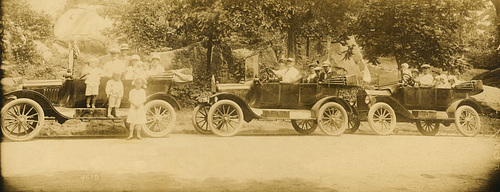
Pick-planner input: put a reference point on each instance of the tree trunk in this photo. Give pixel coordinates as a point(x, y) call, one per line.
point(307, 47)
point(291, 41)
point(209, 55)
point(496, 3)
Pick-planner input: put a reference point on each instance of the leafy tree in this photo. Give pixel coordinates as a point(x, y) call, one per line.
point(415, 31)
point(21, 27)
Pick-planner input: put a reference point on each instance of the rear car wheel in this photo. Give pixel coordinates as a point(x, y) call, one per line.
point(304, 127)
point(382, 118)
point(22, 119)
point(225, 118)
point(199, 119)
point(353, 122)
point(428, 128)
point(161, 118)
point(332, 119)
point(467, 121)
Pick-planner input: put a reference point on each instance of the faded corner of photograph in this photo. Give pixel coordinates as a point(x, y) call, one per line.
point(240, 95)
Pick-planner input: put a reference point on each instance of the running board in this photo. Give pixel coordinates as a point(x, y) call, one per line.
point(284, 113)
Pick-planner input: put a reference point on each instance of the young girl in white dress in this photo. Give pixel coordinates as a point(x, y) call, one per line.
point(137, 113)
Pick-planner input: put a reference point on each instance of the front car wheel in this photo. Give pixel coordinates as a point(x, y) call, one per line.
point(467, 121)
point(225, 118)
point(160, 117)
point(382, 118)
point(332, 119)
point(22, 119)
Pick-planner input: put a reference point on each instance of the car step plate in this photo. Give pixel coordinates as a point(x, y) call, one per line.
point(425, 114)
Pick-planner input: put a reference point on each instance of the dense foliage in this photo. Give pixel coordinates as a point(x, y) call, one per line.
point(415, 32)
point(21, 28)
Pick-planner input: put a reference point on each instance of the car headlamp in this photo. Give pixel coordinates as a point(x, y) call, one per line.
point(367, 99)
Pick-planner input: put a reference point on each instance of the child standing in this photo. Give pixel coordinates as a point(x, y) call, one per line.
point(93, 74)
point(137, 113)
point(114, 92)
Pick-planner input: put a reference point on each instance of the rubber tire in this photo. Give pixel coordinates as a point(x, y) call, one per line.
point(460, 129)
point(169, 127)
point(371, 122)
point(194, 119)
point(38, 128)
point(355, 126)
point(427, 133)
point(302, 131)
point(211, 115)
point(344, 125)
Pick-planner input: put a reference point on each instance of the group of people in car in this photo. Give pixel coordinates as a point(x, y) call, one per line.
point(430, 78)
point(121, 66)
point(289, 74)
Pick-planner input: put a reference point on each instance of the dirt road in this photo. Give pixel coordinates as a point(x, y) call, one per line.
point(184, 162)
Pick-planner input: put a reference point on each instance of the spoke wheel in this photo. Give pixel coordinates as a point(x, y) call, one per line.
point(382, 119)
point(161, 117)
point(199, 118)
point(225, 118)
point(332, 119)
point(304, 127)
point(428, 128)
point(22, 119)
point(467, 121)
point(353, 122)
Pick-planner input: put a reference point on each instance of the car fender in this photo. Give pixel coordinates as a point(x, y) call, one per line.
point(43, 101)
point(247, 111)
point(336, 99)
point(454, 106)
point(166, 97)
point(396, 106)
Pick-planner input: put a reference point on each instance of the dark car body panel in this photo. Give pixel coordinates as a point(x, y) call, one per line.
point(70, 93)
point(407, 101)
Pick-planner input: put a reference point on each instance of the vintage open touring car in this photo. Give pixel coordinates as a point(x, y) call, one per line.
point(25, 111)
point(307, 105)
point(427, 107)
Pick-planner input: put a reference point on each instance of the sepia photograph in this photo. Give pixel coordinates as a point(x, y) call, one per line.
point(250, 95)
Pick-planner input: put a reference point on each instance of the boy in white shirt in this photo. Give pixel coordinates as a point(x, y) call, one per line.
point(114, 92)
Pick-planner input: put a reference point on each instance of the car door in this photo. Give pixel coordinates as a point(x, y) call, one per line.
point(289, 95)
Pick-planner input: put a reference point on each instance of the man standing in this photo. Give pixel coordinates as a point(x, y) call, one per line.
point(115, 65)
point(426, 78)
point(125, 53)
point(291, 75)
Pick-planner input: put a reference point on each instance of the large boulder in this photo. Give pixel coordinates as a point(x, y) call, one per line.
point(490, 78)
point(489, 99)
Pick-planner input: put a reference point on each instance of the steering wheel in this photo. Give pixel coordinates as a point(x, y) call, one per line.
point(268, 75)
point(408, 80)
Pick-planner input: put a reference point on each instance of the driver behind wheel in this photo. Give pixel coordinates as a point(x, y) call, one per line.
point(426, 79)
point(291, 74)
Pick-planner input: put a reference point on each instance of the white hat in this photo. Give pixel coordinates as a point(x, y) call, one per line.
point(124, 46)
point(326, 63)
point(425, 66)
point(155, 56)
point(405, 65)
point(290, 60)
point(135, 57)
